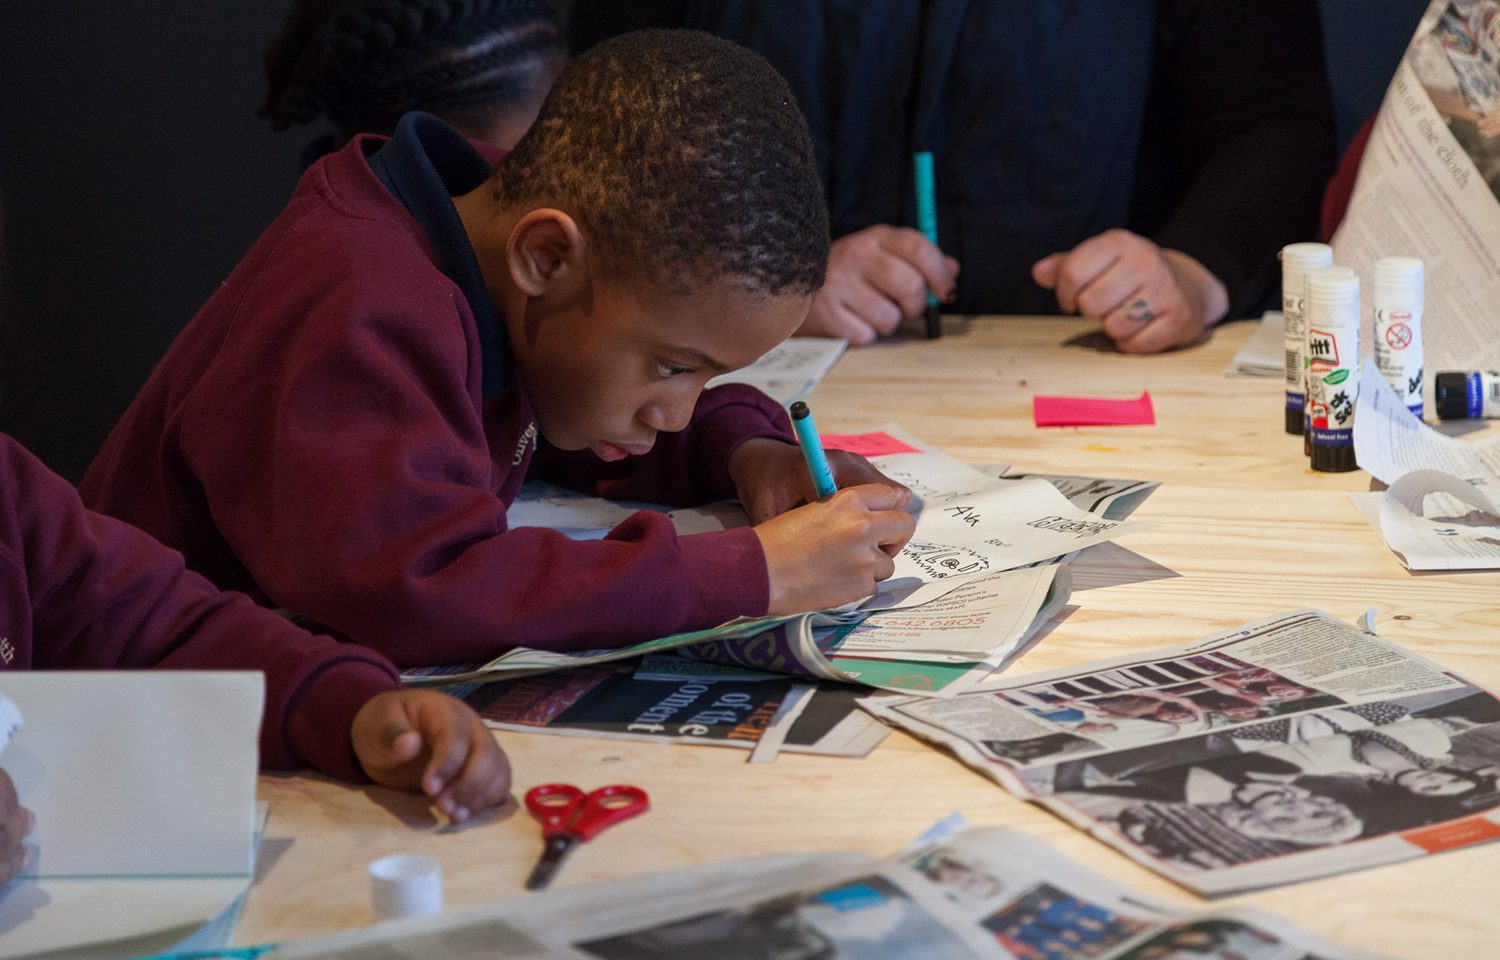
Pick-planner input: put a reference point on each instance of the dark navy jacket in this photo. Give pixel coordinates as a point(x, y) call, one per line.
point(1205, 126)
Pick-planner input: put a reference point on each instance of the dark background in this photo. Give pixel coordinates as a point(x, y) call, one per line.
point(134, 174)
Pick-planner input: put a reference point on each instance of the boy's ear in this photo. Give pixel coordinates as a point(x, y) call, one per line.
point(545, 253)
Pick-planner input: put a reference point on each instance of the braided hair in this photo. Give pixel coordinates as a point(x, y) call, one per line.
point(364, 63)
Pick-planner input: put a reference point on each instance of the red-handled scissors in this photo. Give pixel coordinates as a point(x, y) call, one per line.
point(569, 817)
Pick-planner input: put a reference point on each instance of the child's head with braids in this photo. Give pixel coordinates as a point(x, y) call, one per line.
point(481, 65)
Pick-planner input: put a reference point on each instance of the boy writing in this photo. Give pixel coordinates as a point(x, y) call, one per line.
point(85, 592)
point(343, 425)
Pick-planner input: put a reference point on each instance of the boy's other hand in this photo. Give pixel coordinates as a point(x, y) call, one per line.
point(15, 823)
point(834, 551)
point(770, 477)
point(428, 741)
point(1148, 298)
point(877, 277)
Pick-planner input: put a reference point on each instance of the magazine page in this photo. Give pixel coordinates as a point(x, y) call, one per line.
point(1427, 184)
point(940, 649)
point(541, 926)
point(1292, 747)
point(1039, 904)
point(669, 699)
point(986, 893)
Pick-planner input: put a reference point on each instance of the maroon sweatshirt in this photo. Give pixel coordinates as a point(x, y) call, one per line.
point(340, 428)
point(80, 591)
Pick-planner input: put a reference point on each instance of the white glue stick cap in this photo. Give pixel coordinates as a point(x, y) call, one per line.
point(406, 885)
point(1332, 285)
point(1301, 257)
point(1398, 275)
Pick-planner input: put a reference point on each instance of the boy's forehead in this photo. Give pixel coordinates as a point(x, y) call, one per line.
point(714, 321)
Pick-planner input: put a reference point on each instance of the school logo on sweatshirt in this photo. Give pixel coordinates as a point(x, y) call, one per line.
point(7, 650)
point(528, 438)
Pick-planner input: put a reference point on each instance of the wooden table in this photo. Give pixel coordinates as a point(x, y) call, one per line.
point(1246, 530)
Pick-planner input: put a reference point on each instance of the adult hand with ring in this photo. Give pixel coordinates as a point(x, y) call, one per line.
point(1148, 298)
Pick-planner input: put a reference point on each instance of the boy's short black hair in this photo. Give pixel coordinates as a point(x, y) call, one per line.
point(685, 159)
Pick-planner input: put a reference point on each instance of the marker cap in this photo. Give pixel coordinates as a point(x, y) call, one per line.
point(1450, 394)
point(406, 885)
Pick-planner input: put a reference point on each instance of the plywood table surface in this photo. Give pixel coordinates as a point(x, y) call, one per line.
point(1245, 530)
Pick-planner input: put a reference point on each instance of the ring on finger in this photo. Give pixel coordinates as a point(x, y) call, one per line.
point(1139, 311)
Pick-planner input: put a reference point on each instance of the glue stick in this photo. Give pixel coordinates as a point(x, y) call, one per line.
point(1296, 260)
point(1467, 395)
point(1398, 327)
point(1332, 366)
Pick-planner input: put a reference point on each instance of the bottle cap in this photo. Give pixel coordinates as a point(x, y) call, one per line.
point(1398, 270)
point(1333, 285)
point(1450, 394)
point(406, 885)
point(1302, 257)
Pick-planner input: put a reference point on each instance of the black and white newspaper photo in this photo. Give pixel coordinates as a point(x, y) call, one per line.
point(1289, 748)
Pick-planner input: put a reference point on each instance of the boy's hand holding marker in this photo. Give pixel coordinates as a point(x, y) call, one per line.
point(829, 524)
point(1148, 298)
point(428, 741)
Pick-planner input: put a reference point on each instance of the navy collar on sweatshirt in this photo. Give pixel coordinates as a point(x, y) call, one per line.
point(425, 164)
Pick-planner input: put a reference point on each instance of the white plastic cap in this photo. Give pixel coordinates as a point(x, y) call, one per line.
point(406, 885)
point(1399, 275)
point(1334, 285)
point(1301, 257)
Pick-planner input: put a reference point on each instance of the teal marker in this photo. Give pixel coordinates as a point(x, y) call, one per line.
point(927, 222)
point(812, 450)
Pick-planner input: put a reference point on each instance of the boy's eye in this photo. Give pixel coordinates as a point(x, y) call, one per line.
point(666, 370)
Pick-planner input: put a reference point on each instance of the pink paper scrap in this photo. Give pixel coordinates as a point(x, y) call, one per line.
point(867, 444)
point(1091, 411)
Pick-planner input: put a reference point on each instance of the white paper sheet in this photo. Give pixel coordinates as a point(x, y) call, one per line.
point(1389, 440)
point(143, 786)
point(1264, 353)
point(1439, 512)
point(791, 369)
point(1435, 540)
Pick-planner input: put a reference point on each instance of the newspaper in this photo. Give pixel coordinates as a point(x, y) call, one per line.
point(1439, 511)
point(790, 370)
point(669, 699)
point(1427, 184)
point(983, 893)
point(1288, 748)
point(973, 531)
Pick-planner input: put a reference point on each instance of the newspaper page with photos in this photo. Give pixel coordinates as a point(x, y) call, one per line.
point(1289, 748)
point(1428, 185)
point(983, 893)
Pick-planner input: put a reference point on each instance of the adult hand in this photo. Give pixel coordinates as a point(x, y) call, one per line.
point(877, 277)
point(770, 477)
point(428, 741)
point(15, 823)
point(1149, 299)
point(834, 551)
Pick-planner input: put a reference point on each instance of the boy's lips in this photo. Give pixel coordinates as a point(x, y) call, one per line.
point(605, 450)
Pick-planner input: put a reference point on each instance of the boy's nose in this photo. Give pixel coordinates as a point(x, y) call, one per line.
point(668, 417)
